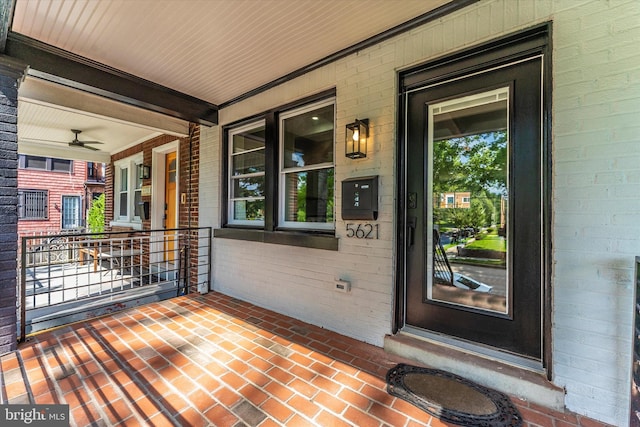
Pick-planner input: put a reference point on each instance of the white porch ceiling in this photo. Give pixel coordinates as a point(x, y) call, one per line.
point(47, 112)
point(214, 50)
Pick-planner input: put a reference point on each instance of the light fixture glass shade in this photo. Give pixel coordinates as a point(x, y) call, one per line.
point(356, 139)
point(144, 171)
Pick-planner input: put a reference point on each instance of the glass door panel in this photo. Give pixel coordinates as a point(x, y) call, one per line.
point(468, 171)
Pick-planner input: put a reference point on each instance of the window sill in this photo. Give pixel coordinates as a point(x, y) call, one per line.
point(290, 238)
point(133, 225)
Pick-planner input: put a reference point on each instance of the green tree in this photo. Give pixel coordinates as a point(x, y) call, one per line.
point(475, 163)
point(95, 217)
point(325, 192)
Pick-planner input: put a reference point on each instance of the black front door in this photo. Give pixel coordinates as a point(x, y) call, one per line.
point(473, 208)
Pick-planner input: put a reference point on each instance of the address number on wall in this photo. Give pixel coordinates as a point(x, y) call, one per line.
point(363, 231)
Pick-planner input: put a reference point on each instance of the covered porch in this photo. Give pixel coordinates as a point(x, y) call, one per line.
point(215, 360)
point(200, 114)
point(65, 278)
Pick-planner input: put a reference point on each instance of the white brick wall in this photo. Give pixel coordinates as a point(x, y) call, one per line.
point(596, 194)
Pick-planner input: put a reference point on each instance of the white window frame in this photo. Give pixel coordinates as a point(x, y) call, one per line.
point(230, 198)
point(77, 205)
point(130, 219)
point(285, 171)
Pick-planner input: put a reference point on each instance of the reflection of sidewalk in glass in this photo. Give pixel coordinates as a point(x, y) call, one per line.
point(470, 285)
point(443, 273)
point(491, 276)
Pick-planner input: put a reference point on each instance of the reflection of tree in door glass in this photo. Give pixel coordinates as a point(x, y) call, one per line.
point(469, 209)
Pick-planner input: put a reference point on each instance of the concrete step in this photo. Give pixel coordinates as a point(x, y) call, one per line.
point(509, 379)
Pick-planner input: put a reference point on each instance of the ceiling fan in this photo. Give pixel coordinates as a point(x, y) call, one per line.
point(77, 143)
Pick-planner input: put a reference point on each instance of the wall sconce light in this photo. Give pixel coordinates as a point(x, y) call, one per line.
point(356, 139)
point(144, 171)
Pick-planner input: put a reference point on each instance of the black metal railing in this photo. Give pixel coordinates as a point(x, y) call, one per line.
point(69, 277)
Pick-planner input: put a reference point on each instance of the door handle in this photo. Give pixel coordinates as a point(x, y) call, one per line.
point(411, 230)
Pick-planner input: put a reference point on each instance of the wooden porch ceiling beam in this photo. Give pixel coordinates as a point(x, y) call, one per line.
point(59, 66)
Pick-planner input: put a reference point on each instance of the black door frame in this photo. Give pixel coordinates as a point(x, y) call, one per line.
point(516, 46)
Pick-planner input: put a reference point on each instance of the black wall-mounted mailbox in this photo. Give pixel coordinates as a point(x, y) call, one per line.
point(143, 210)
point(360, 198)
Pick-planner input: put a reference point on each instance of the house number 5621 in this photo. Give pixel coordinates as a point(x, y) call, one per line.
point(363, 231)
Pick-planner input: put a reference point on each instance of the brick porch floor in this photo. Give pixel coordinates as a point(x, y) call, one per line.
point(214, 360)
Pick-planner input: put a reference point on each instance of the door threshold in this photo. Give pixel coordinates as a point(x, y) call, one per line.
point(517, 381)
point(480, 350)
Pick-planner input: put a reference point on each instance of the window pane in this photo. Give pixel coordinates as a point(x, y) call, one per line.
point(92, 170)
point(172, 169)
point(252, 162)
point(469, 142)
point(308, 138)
point(70, 211)
point(61, 165)
point(124, 179)
point(248, 210)
point(309, 196)
point(34, 162)
point(248, 187)
point(249, 140)
point(123, 204)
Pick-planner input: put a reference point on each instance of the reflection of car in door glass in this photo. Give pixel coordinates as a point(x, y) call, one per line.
point(460, 281)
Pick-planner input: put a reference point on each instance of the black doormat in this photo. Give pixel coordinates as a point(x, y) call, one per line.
point(452, 398)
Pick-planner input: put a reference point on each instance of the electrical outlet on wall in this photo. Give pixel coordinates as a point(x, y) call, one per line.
point(342, 285)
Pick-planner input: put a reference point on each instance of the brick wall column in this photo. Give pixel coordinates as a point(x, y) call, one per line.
point(11, 73)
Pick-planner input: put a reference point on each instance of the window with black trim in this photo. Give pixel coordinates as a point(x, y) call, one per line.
point(33, 204)
point(45, 163)
point(280, 169)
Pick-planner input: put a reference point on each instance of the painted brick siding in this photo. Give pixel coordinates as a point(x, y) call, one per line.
point(595, 181)
point(8, 208)
point(58, 184)
point(596, 229)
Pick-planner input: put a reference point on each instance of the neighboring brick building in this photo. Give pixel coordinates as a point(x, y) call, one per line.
point(55, 194)
point(460, 199)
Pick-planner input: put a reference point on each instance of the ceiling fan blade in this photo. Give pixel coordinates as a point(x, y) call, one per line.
point(76, 141)
point(81, 145)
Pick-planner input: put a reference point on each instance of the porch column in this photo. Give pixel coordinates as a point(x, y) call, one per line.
point(11, 73)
